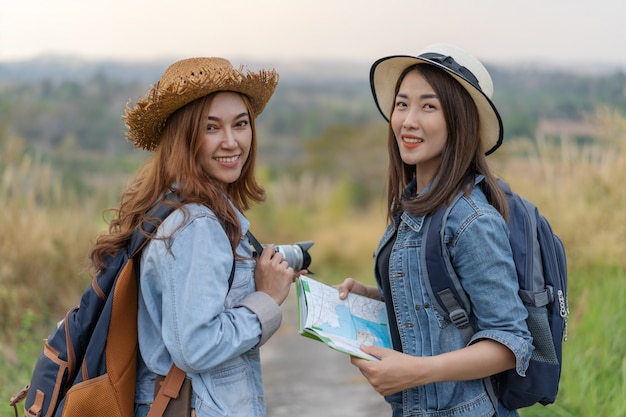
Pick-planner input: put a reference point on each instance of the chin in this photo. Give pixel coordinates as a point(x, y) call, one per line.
point(231, 178)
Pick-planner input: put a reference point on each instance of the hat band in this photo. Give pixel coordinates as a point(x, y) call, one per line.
point(452, 65)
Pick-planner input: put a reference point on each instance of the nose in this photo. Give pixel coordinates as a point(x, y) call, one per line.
point(410, 120)
point(229, 140)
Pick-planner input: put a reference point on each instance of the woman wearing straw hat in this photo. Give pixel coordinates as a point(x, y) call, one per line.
point(442, 123)
point(199, 121)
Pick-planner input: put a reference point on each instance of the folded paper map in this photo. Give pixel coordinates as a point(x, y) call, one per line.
point(343, 325)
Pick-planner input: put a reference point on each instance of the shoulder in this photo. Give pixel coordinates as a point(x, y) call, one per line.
point(473, 212)
point(187, 230)
point(473, 205)
point(183, 217)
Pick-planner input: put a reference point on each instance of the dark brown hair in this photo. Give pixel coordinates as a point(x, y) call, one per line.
point(176, 163)
point(463, 156)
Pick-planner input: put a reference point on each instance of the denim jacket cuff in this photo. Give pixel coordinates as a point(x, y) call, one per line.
point(521, 348)
point(267, 311)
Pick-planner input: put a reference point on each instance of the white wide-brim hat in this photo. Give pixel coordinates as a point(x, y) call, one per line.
point(463, 67)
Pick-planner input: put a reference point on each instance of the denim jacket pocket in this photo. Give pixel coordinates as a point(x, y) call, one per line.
point(231, 391)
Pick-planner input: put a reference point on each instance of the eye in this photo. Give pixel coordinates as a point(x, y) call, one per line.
point(400, 104)
point(430, 105)
point(242, 123)
point(211, 127)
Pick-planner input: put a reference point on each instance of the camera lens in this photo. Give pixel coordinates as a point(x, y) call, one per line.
point(297, 256)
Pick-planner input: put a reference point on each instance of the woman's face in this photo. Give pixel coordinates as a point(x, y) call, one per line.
point(419, 126)
point(226, 137)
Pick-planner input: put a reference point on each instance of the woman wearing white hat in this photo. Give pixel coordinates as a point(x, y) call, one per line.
point(199, 121)
point(442, 123)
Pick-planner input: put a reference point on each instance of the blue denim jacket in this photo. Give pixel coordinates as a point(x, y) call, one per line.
point(476, 237)
point(188, 315)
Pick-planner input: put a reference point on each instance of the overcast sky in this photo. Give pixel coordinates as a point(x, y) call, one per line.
point(497, 31)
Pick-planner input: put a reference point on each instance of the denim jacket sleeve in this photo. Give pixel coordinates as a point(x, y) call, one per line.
point(481, 255)
point(185, 293)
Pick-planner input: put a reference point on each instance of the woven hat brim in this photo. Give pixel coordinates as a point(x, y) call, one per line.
point(146, 118)
point(386, 71)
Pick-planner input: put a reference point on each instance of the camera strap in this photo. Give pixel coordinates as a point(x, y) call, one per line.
point(255, 243)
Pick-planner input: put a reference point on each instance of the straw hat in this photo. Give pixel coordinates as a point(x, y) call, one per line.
point(465, 68)
point(185, 81)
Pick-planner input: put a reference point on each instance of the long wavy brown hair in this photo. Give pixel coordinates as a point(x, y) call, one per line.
point(463, 156)
point(175, 163)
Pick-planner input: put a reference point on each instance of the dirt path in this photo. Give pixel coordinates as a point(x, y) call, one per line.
point(304, 378)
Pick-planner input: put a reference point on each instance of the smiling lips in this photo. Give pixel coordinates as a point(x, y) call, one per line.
point(411, 141)
point(228, 160)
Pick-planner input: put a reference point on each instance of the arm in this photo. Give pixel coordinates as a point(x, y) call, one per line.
point(273, 278)
point(397, 371)
point(484, 263)
point(189, 285)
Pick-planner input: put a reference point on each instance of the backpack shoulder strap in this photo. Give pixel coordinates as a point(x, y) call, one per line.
point(159, 212)
point(169, 390)
point(442, 283)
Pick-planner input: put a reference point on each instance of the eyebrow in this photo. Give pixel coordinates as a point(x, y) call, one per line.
point(422, 97)
point(239, 116)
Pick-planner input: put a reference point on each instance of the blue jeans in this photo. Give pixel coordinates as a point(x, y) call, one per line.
point(396, 408)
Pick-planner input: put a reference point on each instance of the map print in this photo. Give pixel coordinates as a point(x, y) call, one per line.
point(343, 325)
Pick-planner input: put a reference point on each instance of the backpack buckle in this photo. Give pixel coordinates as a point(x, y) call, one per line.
point(459, 318)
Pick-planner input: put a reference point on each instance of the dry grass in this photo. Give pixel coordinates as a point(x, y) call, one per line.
point(580, 189)
point(45, 237)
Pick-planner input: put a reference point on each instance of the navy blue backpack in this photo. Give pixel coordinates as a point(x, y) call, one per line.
point(541, 266)
point(87, 365)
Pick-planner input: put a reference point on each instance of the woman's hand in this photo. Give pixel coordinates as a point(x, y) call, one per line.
point(394, 372)
point(352, 285)
point(273, 275)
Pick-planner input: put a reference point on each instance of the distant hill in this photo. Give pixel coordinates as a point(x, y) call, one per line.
point(54, 99)
point(63, 68)
point(59, 69)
